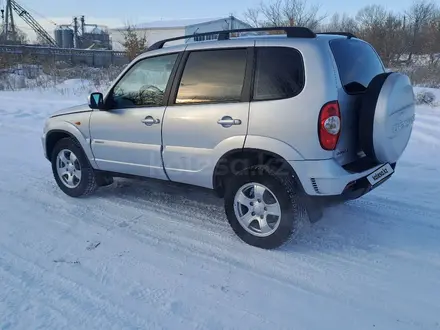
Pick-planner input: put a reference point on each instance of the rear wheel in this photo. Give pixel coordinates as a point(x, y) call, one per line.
point(72, 170)
point(262, 208)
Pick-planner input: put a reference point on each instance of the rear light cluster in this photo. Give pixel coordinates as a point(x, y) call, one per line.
point(329, 125)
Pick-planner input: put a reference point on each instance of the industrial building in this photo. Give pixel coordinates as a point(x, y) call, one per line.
point(159, 30)
point(78, 34)
point(81, 35)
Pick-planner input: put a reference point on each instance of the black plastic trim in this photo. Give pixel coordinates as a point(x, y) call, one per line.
point(291, 32)
point(345, 34)
point(54, 131)
point(360, 165)
point(171, 79)
point(247, 153)
point(353, 190)
point(177, 78)
point(367, 114)
point(246, 92)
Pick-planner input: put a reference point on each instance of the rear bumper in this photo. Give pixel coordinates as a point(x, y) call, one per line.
point(326, 178)
point(353, 191)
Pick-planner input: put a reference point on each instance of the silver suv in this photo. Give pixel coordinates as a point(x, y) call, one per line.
point(277, 125)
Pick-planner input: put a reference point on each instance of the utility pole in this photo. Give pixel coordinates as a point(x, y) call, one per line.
point(75, 33)
point(83, 25)
point(9, 26)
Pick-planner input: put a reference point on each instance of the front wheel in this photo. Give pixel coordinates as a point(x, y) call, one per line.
point(72, 170)
point(262, 207)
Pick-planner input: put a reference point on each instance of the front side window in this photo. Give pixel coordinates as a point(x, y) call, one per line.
point(279, 73)
point(145, 83)
point(213, 76)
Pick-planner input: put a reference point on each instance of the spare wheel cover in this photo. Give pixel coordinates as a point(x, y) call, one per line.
point(386, 117)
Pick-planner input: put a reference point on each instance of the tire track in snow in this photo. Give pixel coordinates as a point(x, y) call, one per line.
point(69, 295)
point(429, 116)
point(395, 209)
point(338, 264)
point(127, 200)
point(425, 138)
point(191, 239)
point(217, 252)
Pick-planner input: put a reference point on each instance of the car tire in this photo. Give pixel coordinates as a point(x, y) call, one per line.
point(240, 197)
point(71, 169)
point(386, 117)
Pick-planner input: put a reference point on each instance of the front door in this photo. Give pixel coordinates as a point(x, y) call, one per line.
point(126, 137)
point(209, 113)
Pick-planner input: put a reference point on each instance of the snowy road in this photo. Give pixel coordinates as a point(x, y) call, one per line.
point(146, 255)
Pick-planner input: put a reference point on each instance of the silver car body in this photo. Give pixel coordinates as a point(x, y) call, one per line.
point(183, 143)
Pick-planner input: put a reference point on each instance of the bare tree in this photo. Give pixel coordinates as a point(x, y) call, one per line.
point(384, 30)
point(420, 15)
point(285, 13)
point(135, 42)
point(432, 39)
point(252, 17)
point(20, 36)
point(41, 41)
point(343, 23)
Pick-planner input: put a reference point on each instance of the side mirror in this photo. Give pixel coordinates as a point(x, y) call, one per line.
point(96, 101)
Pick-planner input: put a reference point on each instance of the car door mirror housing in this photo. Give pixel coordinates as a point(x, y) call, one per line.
point(96, 101)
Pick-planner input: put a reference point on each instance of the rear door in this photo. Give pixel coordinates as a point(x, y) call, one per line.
point(208, 112)
point(357, 64)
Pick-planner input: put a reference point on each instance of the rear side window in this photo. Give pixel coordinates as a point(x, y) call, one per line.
point(279, 73)
point(357, 64)
point(213, 76)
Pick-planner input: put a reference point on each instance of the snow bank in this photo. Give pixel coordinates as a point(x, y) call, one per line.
point(427, 96)
point(67, 81)
point(149, 255)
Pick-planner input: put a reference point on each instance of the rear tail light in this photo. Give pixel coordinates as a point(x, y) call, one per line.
point(329, 125)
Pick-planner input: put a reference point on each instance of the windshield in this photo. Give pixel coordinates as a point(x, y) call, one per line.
point(357, 63)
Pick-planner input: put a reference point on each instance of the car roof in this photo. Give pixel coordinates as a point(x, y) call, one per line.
point(181, 47)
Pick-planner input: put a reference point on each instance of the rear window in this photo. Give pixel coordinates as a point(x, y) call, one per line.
point(357, 63)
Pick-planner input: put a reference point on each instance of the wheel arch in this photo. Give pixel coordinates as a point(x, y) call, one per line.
point(55, 135)
point(236, 160)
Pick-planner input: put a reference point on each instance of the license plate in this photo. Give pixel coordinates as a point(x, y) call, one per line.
point(380, 174)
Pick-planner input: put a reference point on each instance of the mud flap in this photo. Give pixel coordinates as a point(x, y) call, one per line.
point(313, 207)
point(103, 180)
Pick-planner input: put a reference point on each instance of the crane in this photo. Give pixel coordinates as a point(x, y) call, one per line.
point(25, 16)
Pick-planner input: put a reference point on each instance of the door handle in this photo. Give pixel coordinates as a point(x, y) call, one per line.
point(228, 121)
point(150, 121)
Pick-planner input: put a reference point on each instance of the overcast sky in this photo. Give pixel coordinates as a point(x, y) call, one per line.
point(116, 13)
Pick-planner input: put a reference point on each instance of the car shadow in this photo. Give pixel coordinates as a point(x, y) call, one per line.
point(342, 226)
point(361, 225)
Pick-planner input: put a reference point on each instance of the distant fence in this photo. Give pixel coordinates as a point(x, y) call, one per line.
point(93, 58)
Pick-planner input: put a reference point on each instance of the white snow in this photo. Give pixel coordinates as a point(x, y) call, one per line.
point(145, 255)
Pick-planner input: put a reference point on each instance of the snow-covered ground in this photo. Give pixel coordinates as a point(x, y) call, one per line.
point(160, 256)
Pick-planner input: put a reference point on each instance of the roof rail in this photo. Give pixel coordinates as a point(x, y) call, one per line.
point(291, 31)
point(345, 34)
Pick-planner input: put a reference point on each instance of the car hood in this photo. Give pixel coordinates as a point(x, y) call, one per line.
point(70, 110)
